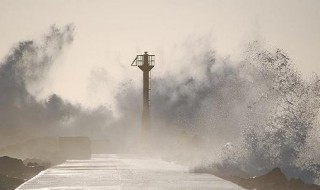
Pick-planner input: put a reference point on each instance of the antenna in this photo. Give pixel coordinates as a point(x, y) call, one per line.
point(145, 62)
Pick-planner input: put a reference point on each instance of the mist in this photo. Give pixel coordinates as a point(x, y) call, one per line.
point(29, 125)
point(249, 115)
point(246, 117)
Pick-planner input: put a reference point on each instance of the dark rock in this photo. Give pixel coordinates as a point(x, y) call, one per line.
point(8, 183)
point(13, 172)
point(296, 184)
point(31, 162)
point(12, 167)
point(274, 180)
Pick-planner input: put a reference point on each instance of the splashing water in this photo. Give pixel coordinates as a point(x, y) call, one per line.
point(248, 117)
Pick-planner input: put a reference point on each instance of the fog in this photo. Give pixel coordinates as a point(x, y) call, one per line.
point(249, 115)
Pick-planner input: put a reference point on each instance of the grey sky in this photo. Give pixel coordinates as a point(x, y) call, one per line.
point(110, 33)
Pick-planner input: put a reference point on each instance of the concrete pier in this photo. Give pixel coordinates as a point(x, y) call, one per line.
point(125, 172)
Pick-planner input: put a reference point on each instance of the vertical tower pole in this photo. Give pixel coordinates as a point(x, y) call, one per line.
point(146, 67)
point(146, 98)
point(145, 62)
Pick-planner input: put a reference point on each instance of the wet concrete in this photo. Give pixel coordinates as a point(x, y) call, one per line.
point(126, 172)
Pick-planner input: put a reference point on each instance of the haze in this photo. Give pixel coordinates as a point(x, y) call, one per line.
point(109, 34)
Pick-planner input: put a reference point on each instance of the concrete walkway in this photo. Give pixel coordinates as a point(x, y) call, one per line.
point(126, 172)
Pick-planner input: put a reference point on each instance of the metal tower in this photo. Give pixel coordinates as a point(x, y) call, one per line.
point(145, 62)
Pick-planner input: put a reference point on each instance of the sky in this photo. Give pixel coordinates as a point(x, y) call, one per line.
point(109, 34)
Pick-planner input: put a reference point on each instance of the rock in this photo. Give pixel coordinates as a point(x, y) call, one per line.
point(296, 184)
point(13, 172)
point(31, 162)
point(12, 167)
point(273, 180)
point(15, 168)
point(8, 183)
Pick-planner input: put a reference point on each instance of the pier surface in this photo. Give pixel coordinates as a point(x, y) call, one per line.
point(125, 172)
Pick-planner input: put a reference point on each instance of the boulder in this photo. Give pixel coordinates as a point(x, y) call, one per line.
point(9, 183)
